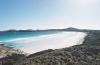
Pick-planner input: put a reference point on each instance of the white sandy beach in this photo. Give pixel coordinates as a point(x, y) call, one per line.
point(53, 41)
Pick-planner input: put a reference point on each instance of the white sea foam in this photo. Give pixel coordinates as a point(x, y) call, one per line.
point(53, 41)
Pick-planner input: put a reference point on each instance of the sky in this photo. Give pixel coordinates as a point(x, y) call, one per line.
point(49, 14)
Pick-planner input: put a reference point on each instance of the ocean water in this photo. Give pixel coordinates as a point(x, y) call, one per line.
point(31, 42)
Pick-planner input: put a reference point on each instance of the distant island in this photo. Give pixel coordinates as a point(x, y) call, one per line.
point(65, 29)
point(87, 53)
point(30, 30)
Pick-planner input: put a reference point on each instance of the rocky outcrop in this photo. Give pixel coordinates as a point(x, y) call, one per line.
point(4, 51)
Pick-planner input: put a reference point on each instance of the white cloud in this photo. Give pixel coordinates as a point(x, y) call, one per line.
point(80, 3)
point(85, 3)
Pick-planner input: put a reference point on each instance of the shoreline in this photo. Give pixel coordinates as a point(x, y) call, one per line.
point(58, 41)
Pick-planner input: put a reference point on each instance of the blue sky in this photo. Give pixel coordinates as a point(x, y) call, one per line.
point(47, 14)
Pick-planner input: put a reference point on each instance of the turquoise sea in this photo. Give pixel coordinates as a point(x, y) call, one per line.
point(12, 35)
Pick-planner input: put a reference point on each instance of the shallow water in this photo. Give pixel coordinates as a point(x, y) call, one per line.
point(32, 44)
